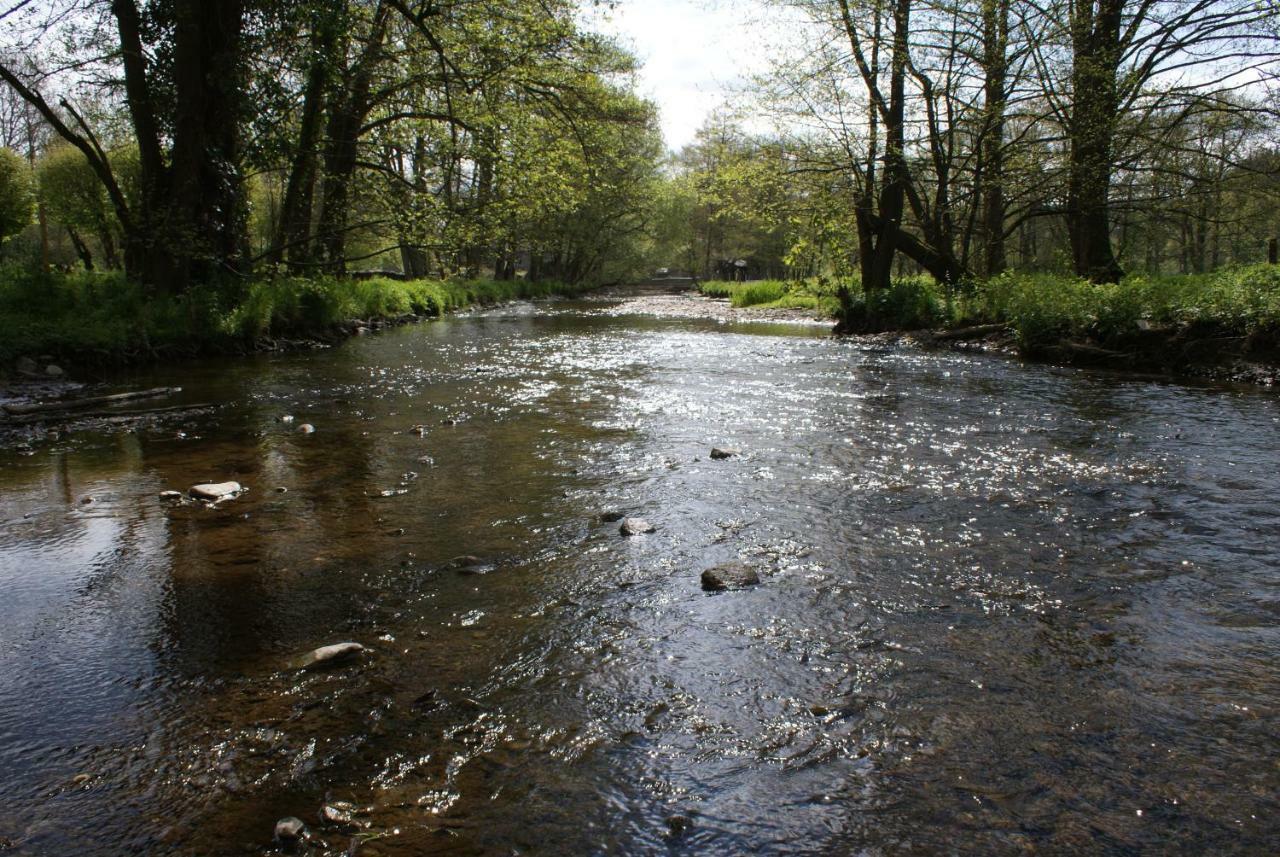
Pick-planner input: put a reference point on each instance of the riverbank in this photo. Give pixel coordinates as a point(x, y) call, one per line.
point(1222, 326)
point(83, 322)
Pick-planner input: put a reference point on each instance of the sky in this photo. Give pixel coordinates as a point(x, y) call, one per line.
point(695, 53)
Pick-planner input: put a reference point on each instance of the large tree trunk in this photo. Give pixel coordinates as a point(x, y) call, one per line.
point(208, 196)
point(995, 38)
point(192, 216)
point(344, 129)
point(1095, 101)
point(293, 240)
point(877, 266)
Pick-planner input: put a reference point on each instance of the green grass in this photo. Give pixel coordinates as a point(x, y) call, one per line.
point(103, 317)
point(815, 295)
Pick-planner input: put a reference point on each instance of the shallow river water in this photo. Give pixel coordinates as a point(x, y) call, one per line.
point(1004, 608)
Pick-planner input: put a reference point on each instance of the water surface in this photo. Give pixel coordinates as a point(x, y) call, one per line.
point(1004, 607)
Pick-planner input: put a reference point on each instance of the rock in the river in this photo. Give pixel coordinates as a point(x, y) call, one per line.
point(329, 655)
point(612, 516)
point(54, 371)
point(719, 453)
point(215, 491)
point(170, 496)
point(290, 830)
point(636, 527)
point(339, 812)
point(306, 428)
point(27, 365)
point(285, 418)
point(732, 575)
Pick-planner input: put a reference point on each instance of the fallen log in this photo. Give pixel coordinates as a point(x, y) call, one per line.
point(22, 409)
point(1090, 352)
point(106, 416)
point(976, 332)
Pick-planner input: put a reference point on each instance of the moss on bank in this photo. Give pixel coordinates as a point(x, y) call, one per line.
point(104, 318)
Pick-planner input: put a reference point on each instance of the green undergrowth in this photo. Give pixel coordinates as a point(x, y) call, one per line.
point(1042, 309)
point(816, 295)
point(104, 317)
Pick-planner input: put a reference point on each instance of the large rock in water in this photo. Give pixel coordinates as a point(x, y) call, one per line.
point(215, 490)
point(290, 830)
point(721, 453)
point(636, 527)
point(732, 575)
point(330, 655)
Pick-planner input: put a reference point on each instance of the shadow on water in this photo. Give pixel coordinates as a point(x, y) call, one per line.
point(1004, 608)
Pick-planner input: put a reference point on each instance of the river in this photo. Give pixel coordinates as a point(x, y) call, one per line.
point(1004, 607)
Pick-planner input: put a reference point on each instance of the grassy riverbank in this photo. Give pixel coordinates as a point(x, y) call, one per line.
point(1226, 314)
point(102, 318)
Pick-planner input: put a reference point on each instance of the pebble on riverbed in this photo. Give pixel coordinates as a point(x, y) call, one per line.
point(719, 454)
point(306, 428)
point(732, 575)
point(636, 527)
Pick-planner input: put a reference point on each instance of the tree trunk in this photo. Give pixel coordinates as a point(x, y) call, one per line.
point(346, 118)
point(293, 238)
point(877, 266)
point(82, 249)
point(995, 37)
point(1096, 31)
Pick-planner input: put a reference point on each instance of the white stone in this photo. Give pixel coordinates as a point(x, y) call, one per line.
point(326, 655)
point(215, 490)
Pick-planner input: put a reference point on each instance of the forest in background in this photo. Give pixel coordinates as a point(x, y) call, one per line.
point(908, 162)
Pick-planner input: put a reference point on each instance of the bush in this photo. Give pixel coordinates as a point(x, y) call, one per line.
point(910, 303)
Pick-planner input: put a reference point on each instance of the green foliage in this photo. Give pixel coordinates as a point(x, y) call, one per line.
point(17, 203)
point(1044, 308)
point(109, 318)
point(910, 303)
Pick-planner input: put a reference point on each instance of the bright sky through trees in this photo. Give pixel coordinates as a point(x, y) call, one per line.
point(696, 53)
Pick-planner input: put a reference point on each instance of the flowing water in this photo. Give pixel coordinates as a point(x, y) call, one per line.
point(1004, 608)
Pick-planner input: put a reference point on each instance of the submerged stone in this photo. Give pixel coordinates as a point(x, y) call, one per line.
point(636, 527)
point(733, 575)
point(727, 452)
point(306, 428)
point(612, 516)
point(330, 655)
